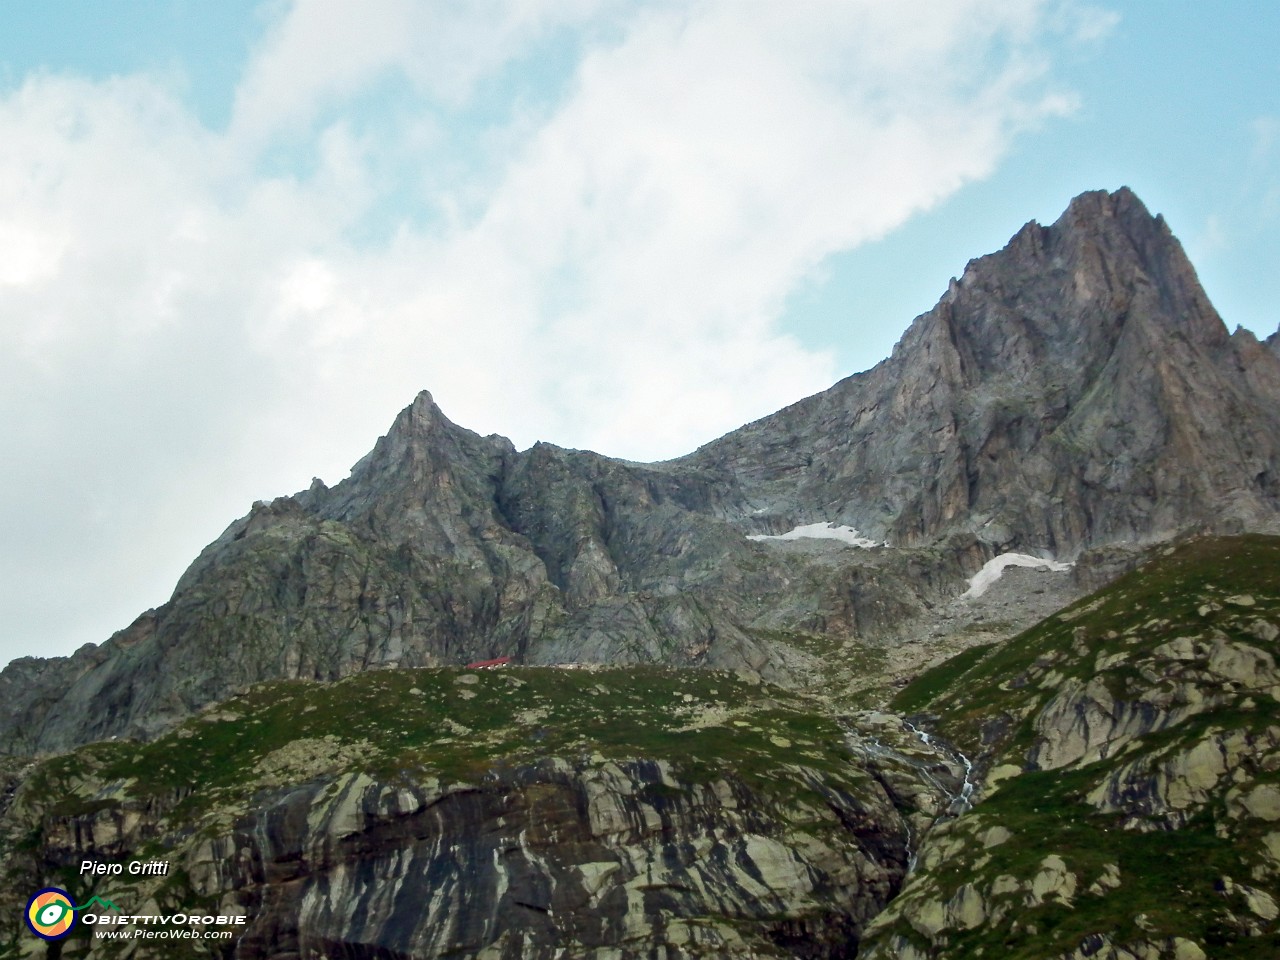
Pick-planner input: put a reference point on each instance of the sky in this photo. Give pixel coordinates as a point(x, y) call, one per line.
point(237, 237)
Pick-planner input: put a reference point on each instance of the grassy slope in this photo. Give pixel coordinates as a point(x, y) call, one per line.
point(456, 724)
point(410, 725)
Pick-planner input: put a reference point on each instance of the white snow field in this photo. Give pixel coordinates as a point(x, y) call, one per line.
point(994, 567)
point(822, 531)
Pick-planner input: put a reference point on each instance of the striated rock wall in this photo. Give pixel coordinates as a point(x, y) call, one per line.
point(618, 860)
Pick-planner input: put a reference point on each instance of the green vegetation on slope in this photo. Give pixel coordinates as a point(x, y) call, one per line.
point(455, 725)
point(774, 760)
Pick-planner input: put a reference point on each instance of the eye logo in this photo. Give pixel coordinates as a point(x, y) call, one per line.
point(50, 914)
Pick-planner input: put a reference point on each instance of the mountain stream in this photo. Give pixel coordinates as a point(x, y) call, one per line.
point(881, 756)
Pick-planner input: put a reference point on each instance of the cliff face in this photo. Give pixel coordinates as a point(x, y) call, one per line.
point(444, 547)
point(616, 860)
point(1131, 748)
point(1074, 391)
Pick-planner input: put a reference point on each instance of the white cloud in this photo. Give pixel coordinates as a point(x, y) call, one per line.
point(184, 333)
point(1086, 24)
point(322, 52)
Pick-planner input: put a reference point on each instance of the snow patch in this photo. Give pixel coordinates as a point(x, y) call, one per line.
point(994, 567)
point(822, 531)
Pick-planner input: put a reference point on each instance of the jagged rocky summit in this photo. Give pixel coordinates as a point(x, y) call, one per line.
point(1072, 397)
point(1073, 392)
point(1076, 388)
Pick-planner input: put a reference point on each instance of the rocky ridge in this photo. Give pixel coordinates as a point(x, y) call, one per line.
point(445, 547)
point(1075, 389)
point(1074, 394)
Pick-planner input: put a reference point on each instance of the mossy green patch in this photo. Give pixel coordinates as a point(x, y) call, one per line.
point(1171, 882)
point(918, 694)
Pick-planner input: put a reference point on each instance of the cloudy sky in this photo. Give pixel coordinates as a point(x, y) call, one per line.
point(237, 237)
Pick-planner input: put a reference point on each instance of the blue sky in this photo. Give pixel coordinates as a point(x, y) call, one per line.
point(235, 238)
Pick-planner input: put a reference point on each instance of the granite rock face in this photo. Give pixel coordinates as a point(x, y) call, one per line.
point(1076, 388)
point(1070, 394)
point(444, 547)
point(616, 860)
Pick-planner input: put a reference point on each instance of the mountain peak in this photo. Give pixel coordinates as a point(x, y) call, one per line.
point(422, 413)
point(1092, 213)
point(1075, 391)
point(1114, 260)
point(1096, 204)
point(1075, 388)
